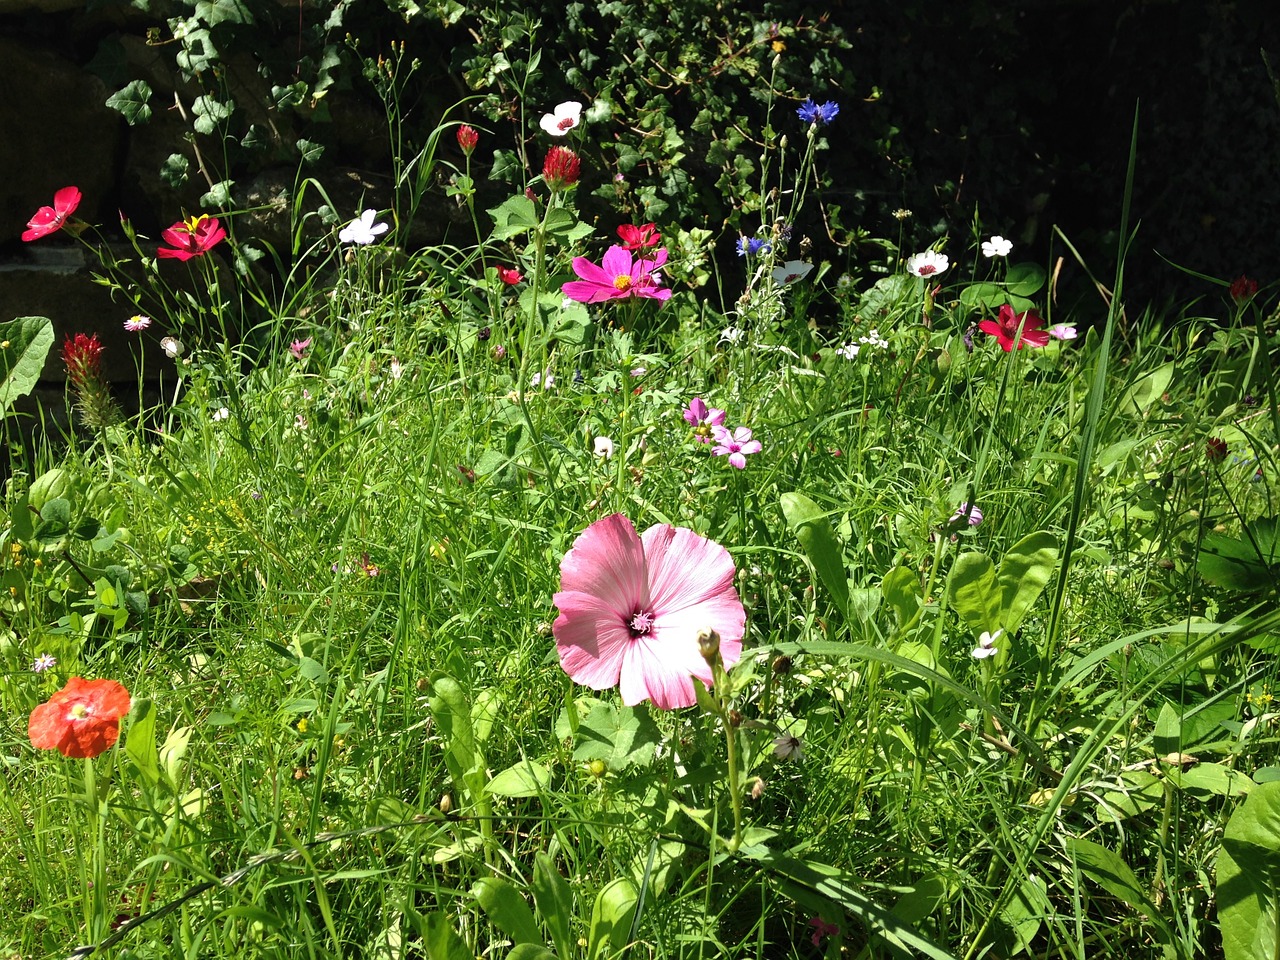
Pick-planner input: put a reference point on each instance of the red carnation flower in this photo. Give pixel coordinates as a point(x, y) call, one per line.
point(191, 238)
point(639, 238)
point(52, 219)
point(561, 168)
point(467, 139)
point(81, 720)
point(1005, 329)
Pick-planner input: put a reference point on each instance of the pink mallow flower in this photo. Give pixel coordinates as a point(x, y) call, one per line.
point(736, 444)
point(631, 608)
point(618, 276)
point(702, 418)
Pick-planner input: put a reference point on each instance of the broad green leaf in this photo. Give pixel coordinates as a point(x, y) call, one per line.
point(214, 12)
point(1140, 396)
point(901, 588)
point(310, 151)
point(1108, 870)
point(439, 939)
point(24, 347)
point(525, 779)
point(140, 745)
point(1211, 778)
point(1248, 877)
point(619, 736)
point(131, 101)
point(172, 752)
point(611, 918)
point(55, 520)
point(974, 592)
point(983, 297)
point(810, 525)
point(1024, 279)
point(48, 486)
point(1025, 912)
point(554, 900)
point(210, 113)
point(530, 951)
point(1249, 563)
point(175, 171)
point(513, 217)
point(503, 904)
point(1024, 572)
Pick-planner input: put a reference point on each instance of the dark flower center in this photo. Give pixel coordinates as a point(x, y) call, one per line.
point(641, 623)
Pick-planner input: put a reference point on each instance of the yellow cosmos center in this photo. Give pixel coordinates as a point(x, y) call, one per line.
point(623, 282)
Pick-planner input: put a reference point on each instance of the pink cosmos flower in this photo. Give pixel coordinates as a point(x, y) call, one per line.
point(299, 348)
point(736, 444)
point(49, 220)
point(703, 419)
point(631, 608)
point(618, 277)
point(1005, 329)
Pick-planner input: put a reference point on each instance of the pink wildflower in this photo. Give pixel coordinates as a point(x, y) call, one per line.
point(631, 608)
point(736, 444)
point(703, 419)
point(299, 348)
point(618, 277)
point(49, 220)
point(822, 930)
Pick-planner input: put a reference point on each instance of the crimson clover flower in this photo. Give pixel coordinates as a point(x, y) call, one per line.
point(83, 356)
point(566, 116)
point(81, 720)
point(617, 277)
point(1005, 329)
point(1242, 288)
point(561, 168)
point(189, 238)
point(631, 608)
point(49, 220)
point(1215, 449)
point(702, 418)
point(467, 138)
point(927, 264)
point(639, 238)
point(736, 444)
point(819, 113)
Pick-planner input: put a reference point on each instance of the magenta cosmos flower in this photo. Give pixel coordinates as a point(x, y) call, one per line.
point(617, 277)
point(702, 418)
point(631, 608)
point(736, 444)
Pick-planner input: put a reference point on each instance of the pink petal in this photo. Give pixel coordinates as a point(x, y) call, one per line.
point(588, 291)
point(715, 417)
point(66, 200)
point(165, 253)
point(720, 450)
point(607, 561)
point(654, 670)
point(742, 434)
point(751, 446)
point(617, 262)
point(591, 638)
point(738, 460)
point(591, 272)
point(691, 584)
point(653, 293)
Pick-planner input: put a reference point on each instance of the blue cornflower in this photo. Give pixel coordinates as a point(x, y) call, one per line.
point(811, 112)
point(750, 246)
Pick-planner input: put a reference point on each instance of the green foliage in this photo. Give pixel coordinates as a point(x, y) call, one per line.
point(1248, 875)
point(24, 346)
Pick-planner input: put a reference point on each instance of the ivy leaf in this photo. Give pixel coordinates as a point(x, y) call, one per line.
point(310, 150)
point(131, 102)
point(210, 113)
point(175, 171)
point(214, 12)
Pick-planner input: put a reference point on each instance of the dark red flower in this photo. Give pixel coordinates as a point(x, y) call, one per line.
point(191, 238)
point(1005, 329)
point(83, 356)
point(1215, 448)
point(52, 219)
point(1242, 288)
point(467, 139)
point(639, 238)
point(81, 720)
point(509, 275)
point(561, 168)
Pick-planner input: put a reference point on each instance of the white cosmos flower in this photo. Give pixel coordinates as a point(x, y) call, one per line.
point(567, 115)
point(927, 264)
point(997, 246)
point(362, 230)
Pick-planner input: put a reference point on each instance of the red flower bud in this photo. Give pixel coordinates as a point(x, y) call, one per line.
point(1242, 288)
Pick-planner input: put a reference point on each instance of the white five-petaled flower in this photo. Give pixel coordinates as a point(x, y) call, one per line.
point(873, 339)
point(546, 380)
point(172, 347)
point(222, 413)
point(791, 271)
point(997, 246)
point(566, 116)
point(603, 447)
point(986, 645)
point(848, 351)
point(788, 747)
point(927, 264)
point(362, 230)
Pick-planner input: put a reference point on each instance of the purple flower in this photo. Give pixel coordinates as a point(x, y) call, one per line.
point(750, 246)
point(703, 419)
point(46, 661)
point(973, 514)
point(736, 444)
point(820, 113)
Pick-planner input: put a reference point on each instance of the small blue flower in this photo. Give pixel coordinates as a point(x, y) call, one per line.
point(750, 246)
point(823, 113)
